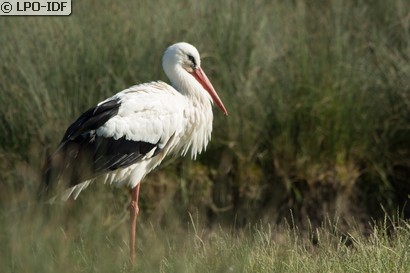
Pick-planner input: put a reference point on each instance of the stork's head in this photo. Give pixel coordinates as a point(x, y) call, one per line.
point(186, 56)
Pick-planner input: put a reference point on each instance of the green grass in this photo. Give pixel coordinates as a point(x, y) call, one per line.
point(50, 239)
point(319, 99)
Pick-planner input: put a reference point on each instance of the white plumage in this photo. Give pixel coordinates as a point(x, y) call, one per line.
point(124, 137)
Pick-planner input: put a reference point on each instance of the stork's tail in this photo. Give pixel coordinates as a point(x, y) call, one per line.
point(61, 177)
point(51, 177)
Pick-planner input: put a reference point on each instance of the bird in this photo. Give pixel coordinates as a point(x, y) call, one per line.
point(123, 138)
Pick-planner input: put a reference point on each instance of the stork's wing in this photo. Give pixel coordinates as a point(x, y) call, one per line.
point(92, 119)
point(134, 125)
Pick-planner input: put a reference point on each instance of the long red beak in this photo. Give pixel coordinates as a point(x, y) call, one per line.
point(201, 77)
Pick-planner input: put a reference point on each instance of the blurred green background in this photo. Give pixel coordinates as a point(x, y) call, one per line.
point(319, 128)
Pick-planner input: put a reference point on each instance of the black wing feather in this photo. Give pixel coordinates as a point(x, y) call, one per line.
point(111, 154)
point(83, 155)
point(92, 119)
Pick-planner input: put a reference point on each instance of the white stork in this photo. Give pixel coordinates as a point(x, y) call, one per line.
point(127, 135)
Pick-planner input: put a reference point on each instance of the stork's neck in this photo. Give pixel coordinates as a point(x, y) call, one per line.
point(199, 112)
point(188, 86)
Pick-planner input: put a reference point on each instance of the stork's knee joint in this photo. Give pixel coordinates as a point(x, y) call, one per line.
point(134, 207)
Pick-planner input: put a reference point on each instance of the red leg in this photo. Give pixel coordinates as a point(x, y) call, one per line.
point(133, 213)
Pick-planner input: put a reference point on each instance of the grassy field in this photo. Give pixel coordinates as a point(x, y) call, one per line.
point(38, 239)
point(319, 125)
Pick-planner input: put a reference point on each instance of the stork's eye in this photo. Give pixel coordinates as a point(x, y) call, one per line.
point(192, 59)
